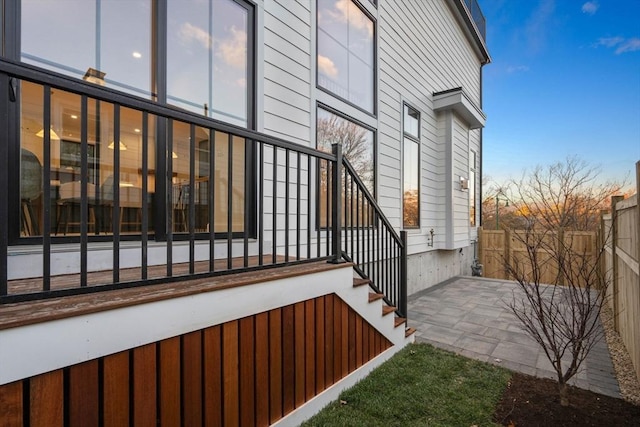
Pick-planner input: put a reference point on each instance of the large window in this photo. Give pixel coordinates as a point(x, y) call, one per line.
point(206, 63)
point(207, 58)
point(472, 188)
point(411, 168)
point(104, 41)
point(346, 52)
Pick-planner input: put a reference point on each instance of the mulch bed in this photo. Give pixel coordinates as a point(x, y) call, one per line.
point(530, 401)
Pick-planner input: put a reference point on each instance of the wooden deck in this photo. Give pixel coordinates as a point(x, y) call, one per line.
point(24, 313)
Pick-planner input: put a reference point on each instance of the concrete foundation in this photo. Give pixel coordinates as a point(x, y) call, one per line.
point(426, 269)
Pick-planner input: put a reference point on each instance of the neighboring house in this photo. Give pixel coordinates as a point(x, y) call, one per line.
point(196, 146)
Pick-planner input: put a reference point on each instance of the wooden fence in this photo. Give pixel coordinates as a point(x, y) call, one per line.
point(621, 264)
point(499, 246)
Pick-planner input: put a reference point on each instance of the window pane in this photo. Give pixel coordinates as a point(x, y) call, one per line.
point(411, 199)
point(109, 36)
point(207, 58)
point(357, 143)
point(411, 121)
point(346, 52)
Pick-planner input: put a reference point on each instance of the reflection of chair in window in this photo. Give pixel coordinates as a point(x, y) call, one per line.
point(30, 189)
point(130, 202)
point(180, 199)
point(70, 201)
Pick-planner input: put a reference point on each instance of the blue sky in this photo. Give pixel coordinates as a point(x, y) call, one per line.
point(564, 80)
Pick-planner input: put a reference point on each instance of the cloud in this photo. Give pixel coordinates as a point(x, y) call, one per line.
point(631, 45)
point(517, 69)
point(189, 33)
point(343, 11)
point(327, 66)
point(537, 25)
point(609, 41)
point(233, 50)
point(590, 7)
point(620, 44)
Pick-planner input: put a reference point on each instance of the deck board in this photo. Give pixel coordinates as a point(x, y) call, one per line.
point(29, 312)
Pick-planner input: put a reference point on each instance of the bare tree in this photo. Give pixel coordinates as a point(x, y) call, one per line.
point(561, 287)
point(567, 195)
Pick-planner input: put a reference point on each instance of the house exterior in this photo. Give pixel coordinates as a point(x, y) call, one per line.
point(196, 194)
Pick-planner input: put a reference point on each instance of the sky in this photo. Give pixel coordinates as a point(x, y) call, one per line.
point(564, 80)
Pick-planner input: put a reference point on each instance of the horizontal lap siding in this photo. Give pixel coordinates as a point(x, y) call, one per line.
point(251, 371)
point(422, 50)
point(287, 70)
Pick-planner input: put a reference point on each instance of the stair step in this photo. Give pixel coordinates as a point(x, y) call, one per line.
point(400, 321)
point(387, 309)
point(359, 282)
point(409, 331)
point(374, 297)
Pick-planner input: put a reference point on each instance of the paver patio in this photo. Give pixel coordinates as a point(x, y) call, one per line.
point(469, 316)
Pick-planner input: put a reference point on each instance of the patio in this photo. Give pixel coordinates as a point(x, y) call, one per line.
point(469, 316)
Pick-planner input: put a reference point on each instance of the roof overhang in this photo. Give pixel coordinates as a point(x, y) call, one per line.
point(471, 31)
point(458, 101)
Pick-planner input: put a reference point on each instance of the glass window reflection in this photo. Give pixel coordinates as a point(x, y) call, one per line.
point(346, 52)
point(207, 58)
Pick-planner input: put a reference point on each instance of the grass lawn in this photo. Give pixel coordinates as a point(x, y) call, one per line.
point(421, 385)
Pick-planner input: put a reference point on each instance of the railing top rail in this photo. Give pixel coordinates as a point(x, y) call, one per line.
point(372, 200)
point(38, 75)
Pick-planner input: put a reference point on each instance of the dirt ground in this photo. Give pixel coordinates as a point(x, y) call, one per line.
point(530, 401)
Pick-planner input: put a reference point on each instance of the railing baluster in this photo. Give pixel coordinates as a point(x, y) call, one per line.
point(192, 191)
point(212, 200)
point(46, 189)
point(249, 146)
point(298, 198)
point(84, 207)
point(170, 206)
point(261, 201)
point(336, 208)
point(230, 202)
point(309, 206)
point(286, 205)
point(115, 216)
point(274, 202)
point(145, 195)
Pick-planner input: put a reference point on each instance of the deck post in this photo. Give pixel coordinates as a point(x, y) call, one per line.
point(336, 206)
point(403, 275)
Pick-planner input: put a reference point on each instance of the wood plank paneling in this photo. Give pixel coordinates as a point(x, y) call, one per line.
point(46, 400)
point(213, 376)
point(11, 404)
point(320, 337)
point(288, 359)
point(191, 378)
point(275, 365)
point(351, 344)
point(83, 394)
point(115, 379)
point(247, 372)
point(358, 341)
point(144, 386)
point(262, 369)
point(251, 371)
point(310, 378)
point(230, 375)
point(328, 340)
point(169, 382)
point(337, 338)
point(344, 345)
point(299, 331)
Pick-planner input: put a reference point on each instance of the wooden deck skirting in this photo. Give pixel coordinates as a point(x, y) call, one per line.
point(249, 371)
point(25, 313)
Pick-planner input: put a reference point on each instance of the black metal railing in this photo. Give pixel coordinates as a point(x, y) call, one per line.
point(247, 201)
point(478, 17)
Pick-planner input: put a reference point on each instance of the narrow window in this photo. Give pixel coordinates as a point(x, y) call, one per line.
point(472, 188)
point(411, 169)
